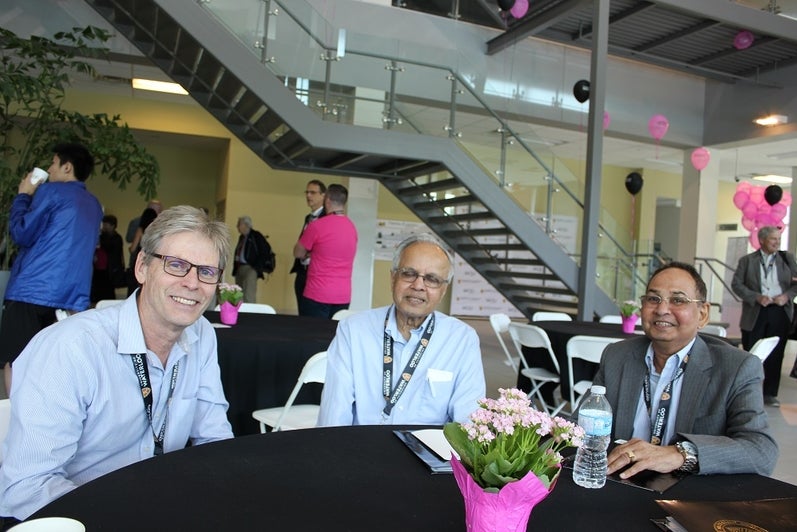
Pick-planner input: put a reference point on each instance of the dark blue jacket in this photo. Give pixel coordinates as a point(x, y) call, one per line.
point(56, 231)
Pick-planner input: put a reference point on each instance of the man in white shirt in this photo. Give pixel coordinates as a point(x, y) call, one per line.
point(430, 371)
point(107, 388)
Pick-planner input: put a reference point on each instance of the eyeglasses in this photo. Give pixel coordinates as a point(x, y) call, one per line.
point(180, 268)
point(651, 300)
point(430, 280)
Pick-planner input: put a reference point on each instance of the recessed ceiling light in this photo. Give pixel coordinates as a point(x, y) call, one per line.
point(158, 86)
point(772, 178)
point(771, 120)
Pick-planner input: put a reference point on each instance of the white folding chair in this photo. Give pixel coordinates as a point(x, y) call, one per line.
point(290, 416)
point(524, 335)
point(763, 347)
point(550, 316)
point(717, 330)
point(342, 313)
point(500, 323)
point(589, 348)
point(616, 318)
point(103, 303)
point(253, 308)
point(5, 417)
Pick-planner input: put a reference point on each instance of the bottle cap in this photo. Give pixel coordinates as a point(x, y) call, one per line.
point(599, 390)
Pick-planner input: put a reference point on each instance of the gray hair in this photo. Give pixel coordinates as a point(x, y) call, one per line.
point(186, 219)
point(767, 230)
point(422, 237)
point(246, 220)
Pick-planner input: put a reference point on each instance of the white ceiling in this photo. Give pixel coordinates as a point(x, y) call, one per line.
point(43, 17)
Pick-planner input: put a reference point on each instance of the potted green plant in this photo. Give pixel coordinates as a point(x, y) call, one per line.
point(34, 75)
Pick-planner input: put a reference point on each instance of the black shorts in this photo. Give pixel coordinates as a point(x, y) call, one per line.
point(21, 321)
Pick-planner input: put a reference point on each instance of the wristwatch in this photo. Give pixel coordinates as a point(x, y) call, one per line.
point(689, 451)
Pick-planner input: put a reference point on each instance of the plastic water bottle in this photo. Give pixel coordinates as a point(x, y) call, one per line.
point(595, 417)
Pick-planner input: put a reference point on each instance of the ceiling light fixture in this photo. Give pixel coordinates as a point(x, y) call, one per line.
point(158, 86)
point(772, 178)
point(771, 120)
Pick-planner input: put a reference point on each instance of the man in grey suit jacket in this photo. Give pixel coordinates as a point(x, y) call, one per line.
point(684, 401)
point(764, 280)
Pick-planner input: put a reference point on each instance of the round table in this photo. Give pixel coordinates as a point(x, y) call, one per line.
point(346, 478)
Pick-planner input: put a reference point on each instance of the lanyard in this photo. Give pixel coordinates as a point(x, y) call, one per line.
point(387, 365)
point(663, 411)
point(140, 367)
point(767, 266)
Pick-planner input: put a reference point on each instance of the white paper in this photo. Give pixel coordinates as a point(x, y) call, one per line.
point(435, 440)
point(220, 326)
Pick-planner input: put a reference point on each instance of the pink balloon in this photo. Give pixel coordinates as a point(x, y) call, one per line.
point(744, 186)
point(757, 195)
point(786, 199)
point(700, 158)
point(658, 126)
point(754, 240)
point(606, 120)
point(748, 223)
point(743, 40)
point(778, 211)
point(740, 199)
point(520, 8)
point(750, 209)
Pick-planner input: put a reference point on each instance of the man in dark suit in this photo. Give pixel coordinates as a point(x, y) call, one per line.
point(314, 193)
point(765, 281)
point(684, 401)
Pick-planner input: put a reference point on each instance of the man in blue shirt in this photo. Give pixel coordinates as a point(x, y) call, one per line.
point(106, 388)
point(431, 369)
point(56, 226)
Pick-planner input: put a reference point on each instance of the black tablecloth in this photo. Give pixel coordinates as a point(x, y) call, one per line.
point(260, 359)
point(347, 478)
point(559, 332)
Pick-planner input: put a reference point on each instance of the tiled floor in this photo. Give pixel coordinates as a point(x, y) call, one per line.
point(782, 420)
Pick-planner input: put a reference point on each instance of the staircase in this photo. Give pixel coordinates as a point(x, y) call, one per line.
point(432, 176)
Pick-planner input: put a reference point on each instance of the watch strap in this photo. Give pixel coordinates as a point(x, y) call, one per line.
point(689, 451)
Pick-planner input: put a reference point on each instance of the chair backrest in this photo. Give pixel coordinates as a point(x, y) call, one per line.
point(763, 347)
point(257, 308)
point(526, 335)
point(616, 318)
point(252, 308)
point(589, 348)
point(314, 370)
point(342, 313)
point(108, 303)
point(550, 316)
point(717, 330)
point(500, 323)
point(5, 417)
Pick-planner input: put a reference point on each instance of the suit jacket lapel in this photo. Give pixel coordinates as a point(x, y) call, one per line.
point(696, 379)
point(628, 398)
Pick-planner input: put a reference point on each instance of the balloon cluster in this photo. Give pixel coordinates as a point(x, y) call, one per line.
point(760, 206)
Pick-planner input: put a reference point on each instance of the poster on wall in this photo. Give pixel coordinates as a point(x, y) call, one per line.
point(390, 233)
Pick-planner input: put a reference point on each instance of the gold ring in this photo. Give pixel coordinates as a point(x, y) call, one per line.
point(631, 456)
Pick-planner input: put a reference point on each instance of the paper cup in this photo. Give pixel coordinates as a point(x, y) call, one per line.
point(38, 176)
point(50, 524)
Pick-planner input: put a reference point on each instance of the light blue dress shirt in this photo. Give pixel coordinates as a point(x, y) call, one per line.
point(643, 421)
point(77, 411)
point(446, 385)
